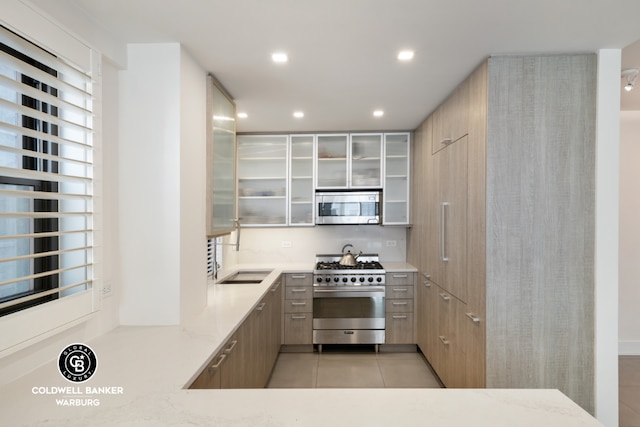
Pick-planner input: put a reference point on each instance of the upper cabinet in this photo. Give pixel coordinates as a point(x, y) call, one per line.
point(221, 161)
point(301, 188)
point(278, 175)
point(366, 161)
point(396, 179)
point(451, 118)
point(262, 179)
point(333, 163)
point(349, 161)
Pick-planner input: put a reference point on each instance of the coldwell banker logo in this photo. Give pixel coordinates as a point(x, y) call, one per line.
point(77, 363)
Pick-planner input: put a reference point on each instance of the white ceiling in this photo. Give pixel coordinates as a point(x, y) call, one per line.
point(343, 52)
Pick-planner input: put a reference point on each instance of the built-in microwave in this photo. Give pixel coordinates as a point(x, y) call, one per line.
point(348, 207)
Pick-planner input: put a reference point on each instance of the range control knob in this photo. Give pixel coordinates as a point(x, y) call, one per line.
point(362, 279)
point(319, 280)
point(353, 279)
point(344, 279)
point(335, 279)
point(327, 279)
point(370, 279)
point(378, 279)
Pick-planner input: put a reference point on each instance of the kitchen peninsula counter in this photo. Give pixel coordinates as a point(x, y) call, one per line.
point(142, 373)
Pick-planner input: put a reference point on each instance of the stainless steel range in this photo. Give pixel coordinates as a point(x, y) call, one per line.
point(348, 301)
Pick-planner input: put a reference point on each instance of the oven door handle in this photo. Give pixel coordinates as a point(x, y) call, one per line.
point(347, 290)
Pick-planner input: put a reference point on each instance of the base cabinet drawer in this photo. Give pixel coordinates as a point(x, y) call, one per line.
point(399, 328)
point(298, 328)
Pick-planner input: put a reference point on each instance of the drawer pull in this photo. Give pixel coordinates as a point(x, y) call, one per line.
point(298, 276)
point(444, 340)
point(400, 290)
point(261, 306)
point(399, 316)
point(298, 303)
point(217, 365)
point(445, 296)
point(400, 276)
point(231, 347)
point(473, 317)
point(427, 284)
point(399, 303)
point(299, 317)
point(298, 290)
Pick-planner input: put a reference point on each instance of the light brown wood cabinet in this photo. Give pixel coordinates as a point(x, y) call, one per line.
point(399, 308)
point(520, 183)
point(248, 357)
point(447, 219)
point(451, 118)
point(298, 309)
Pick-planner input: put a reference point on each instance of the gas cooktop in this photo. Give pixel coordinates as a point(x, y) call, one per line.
point(366, 271)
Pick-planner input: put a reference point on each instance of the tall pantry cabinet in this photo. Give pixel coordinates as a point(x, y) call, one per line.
point(504, 234)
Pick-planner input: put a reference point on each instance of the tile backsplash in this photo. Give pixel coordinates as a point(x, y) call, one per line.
point(301, 244)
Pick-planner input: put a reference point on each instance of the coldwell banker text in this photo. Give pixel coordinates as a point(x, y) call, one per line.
point(77, 396)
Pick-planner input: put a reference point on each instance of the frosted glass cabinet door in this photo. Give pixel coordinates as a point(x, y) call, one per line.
point(262, 179)
point(396, 179)
point(301, 187)
point(366, 160)
point(221, 161)
point(332, 161)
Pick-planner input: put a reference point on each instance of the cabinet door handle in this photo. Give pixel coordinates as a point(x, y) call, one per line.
point(445, 296)
point(400, 276)
point(427, 284)
point(298, 303)
point(400, 290)
point(298, 290)
point(261, 306)
point(443, 229)
point(446, 140)
point(399, 303)
point(217, 365)
point(398, 316)
point(275, 288)
point(427, 276)
point(231, 347)
point(298, 276)
point(473, 317)
point(299, 317)
point(444, 340)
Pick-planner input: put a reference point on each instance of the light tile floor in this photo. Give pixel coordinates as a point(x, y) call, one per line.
point(629, 389)
point(337, 369)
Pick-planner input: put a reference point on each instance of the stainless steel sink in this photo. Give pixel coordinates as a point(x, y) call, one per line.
point(245, 277)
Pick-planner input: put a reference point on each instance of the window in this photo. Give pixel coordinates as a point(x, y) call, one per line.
point(46, 171)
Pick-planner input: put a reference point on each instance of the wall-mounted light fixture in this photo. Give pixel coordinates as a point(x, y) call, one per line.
point(631, 74)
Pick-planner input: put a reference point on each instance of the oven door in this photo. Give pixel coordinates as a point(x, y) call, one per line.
point(348, 307)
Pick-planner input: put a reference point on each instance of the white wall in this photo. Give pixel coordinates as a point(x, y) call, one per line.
point(193, 242)
point(606, 256)
point(149, 185)
point(629, 326)
point(161, 186)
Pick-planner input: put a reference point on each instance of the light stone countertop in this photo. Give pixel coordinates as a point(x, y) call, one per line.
point(142, 372)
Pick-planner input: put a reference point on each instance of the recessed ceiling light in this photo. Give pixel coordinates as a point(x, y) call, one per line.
point(298, 114)
point(279, 57)
point(405, 55)
point(378, 113)
point(242, 115)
